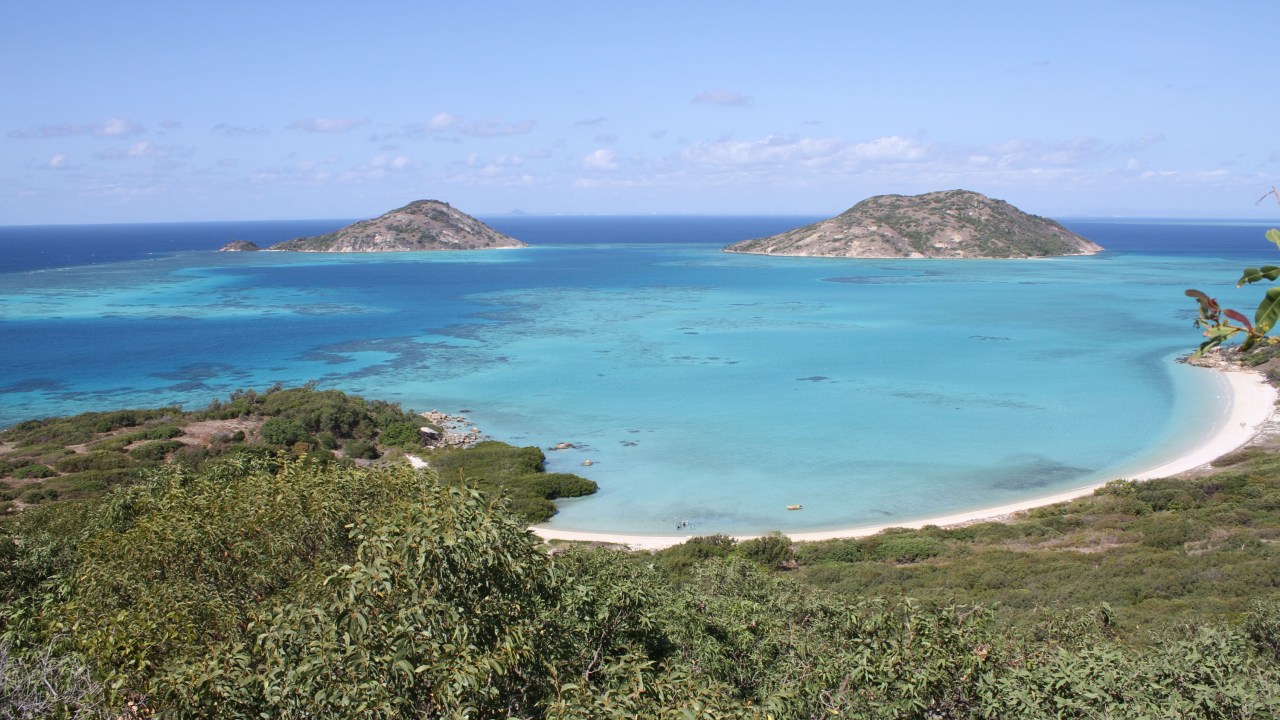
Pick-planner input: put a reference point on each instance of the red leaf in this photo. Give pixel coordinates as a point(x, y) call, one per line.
point(1239, 318)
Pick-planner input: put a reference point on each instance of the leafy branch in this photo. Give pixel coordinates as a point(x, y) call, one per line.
point(1221, 324)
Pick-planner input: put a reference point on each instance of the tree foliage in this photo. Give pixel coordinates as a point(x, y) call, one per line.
point(252, 588)
point(1221, 324)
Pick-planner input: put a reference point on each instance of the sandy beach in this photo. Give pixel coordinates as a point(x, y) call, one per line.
point(1247, 404)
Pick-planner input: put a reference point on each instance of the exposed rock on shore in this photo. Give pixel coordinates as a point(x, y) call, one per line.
point(450, 432)
point(420, 225)
point(948, 224)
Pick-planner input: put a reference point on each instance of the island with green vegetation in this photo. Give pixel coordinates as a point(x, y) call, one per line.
point(420, 225)
point(948, 224)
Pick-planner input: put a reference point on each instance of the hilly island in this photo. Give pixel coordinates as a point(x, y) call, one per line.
point(420, 225)
point(946, 224)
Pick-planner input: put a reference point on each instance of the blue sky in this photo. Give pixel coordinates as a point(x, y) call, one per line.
point(169, 111)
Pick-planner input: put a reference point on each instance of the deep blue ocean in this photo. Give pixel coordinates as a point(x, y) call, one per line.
point(703, 386)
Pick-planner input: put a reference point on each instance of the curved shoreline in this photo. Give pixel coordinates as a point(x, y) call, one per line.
point(1251, 404)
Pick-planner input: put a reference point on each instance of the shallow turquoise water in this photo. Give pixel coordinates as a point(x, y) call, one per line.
point(705, 387)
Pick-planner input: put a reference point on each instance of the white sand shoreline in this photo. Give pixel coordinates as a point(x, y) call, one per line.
point(1251, 402)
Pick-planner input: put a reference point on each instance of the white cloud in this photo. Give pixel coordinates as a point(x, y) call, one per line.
point(893, 148)
point(444, 122)
point(144, 149)
point(1079, 152)
point(379, 166)
point(494, 127)
point(441, 121)
point(1144, 142)
point(728, 98)
point(327, 125)
point(602, 159)
point(239, 130)
point(58, 162)
point(118, 127)
point(773, 150)
point(109, 128)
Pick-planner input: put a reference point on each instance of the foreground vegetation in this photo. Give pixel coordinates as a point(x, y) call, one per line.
point(1157, 555)
point(293, 587)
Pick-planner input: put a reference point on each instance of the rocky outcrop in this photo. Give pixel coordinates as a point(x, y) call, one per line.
point(948, 224)
point(446, 430)
point(239, 246)
point(421, 225)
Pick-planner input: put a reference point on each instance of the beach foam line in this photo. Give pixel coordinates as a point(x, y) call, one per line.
point(1248, 404)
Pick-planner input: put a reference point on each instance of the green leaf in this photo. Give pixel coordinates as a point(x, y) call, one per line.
point(1274, 236)
point(1253, 275)
point(1268, 311)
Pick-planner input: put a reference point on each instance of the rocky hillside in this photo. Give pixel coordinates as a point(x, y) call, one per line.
point(420, 225)
point(239, 246)
point(948, 224)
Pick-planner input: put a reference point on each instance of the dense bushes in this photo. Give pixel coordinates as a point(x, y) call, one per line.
point(294, 589)
point(154, 451)
point(323, 411)
point(283, 431)
point(517, 474)
point(1163, 553)
point(33, 471)
point(81, 462)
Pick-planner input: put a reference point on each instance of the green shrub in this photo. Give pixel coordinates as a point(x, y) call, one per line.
point(772, 551)
point(531, 509)
point(112, 444)
point(284, 431)
point(556, 485)
point(92, 461)
point(33, 471)
point(95, 480)
point(678, 561)
point(1166, 531)
point(361, 449)
point(1263, 627)
point(159, 432)
point(155, 451)
point(36, 495)
point(400, 433)
point(488, 461)
point(839, 551)
point(106, 422)
point(907, 548)
point(515, 473)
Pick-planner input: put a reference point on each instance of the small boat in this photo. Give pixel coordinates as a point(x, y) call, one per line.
point(795, 507)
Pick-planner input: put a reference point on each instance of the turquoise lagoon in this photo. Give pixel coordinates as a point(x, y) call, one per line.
point(703, 387)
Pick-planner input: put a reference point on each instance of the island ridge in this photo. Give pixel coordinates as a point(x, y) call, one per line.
point(420, 225)
point(947, 224)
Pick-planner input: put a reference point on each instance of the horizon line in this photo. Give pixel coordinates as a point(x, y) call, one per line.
point(522, 214)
